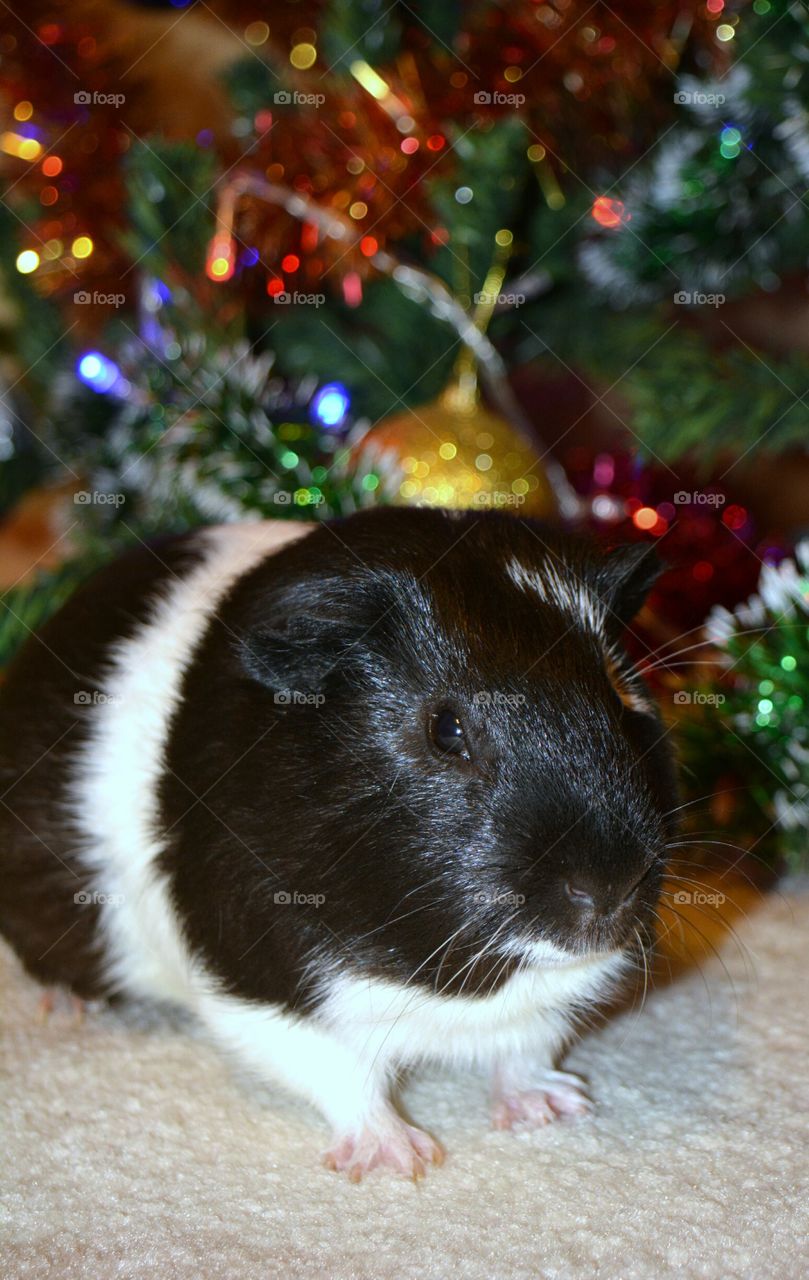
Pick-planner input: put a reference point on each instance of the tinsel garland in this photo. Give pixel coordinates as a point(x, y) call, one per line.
point(757, 708)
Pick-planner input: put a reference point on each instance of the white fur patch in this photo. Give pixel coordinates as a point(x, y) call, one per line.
point(114, 792)
point(562, 589)
point(343, 1058)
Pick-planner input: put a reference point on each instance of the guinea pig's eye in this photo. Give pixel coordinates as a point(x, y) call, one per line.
point(447, 734)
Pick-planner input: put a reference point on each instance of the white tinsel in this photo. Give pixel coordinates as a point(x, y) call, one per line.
point(782, 594)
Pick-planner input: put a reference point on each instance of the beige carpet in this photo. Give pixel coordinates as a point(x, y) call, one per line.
point(130, 1150)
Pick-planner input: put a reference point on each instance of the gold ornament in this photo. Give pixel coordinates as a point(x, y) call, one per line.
point(454, 452)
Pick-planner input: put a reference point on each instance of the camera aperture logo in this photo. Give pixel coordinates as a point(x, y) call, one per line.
point(93, 898)
point(294, 698)
point(487, 299)
point(83, 298)
point(689, 298)
point(291, 898)
point(696, 698)
point(497, 98)
point(498, 498)
point(284, 299)
point(698, 898)
point(297, 498)
point(86, 98)
point(494, 698)
point(698, 98)
point(95, 698)
point(500, 898)
point(290, 98)
point(97, 498)
point(699, 498)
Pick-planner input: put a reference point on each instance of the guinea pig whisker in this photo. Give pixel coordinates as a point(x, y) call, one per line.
point(732, 932)
point(408, 1008)
point(488, 948)
point(702, 644)
point(478, 956)
point(698, 842)
point(645, 971)
point(712, 948)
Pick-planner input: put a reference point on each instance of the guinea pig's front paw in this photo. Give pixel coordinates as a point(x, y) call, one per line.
point(551, 1095)
point(396, 1145)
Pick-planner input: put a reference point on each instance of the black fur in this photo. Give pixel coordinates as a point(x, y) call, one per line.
point(388, 617)
point(300, 762)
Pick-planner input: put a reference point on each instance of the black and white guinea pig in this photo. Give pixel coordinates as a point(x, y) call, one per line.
point(356, 794)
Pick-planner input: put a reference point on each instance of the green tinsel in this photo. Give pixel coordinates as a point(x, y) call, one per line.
point(757, 707)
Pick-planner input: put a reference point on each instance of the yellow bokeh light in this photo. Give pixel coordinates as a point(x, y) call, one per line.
point(303, 56)
point(512, 74)
point(27, 261)
point(257, 33)
point(536, 152)
point(23, 110)
point(14, 144)
point(82, 247)
point(219, 267)
point(358, 209)
point(448, 451)
point(504, 238)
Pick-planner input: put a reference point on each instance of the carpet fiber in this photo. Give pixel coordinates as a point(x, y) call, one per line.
point(132, 1150)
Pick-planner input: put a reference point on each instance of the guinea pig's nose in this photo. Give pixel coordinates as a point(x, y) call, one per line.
point(579, 897)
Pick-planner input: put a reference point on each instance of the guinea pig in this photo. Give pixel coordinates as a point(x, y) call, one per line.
point(357, 795)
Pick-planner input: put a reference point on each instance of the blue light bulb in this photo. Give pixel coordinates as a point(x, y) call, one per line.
point(331, 404)
point(98, 372)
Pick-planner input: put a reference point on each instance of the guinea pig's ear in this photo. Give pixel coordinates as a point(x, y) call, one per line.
point(628, 574)
point(298, 655)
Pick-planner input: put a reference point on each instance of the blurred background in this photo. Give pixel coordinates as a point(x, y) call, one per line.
point(291, 259)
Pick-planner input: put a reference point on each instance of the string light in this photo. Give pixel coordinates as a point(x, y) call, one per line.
point(608, 212)
point(98, 372)
point(331, 404)
point(22, 148)
point(27, 261)
point(303, 56)
point(220, 260)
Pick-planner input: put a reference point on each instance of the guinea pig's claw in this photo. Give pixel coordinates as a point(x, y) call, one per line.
point(558, 1093)
point(399, 1147)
